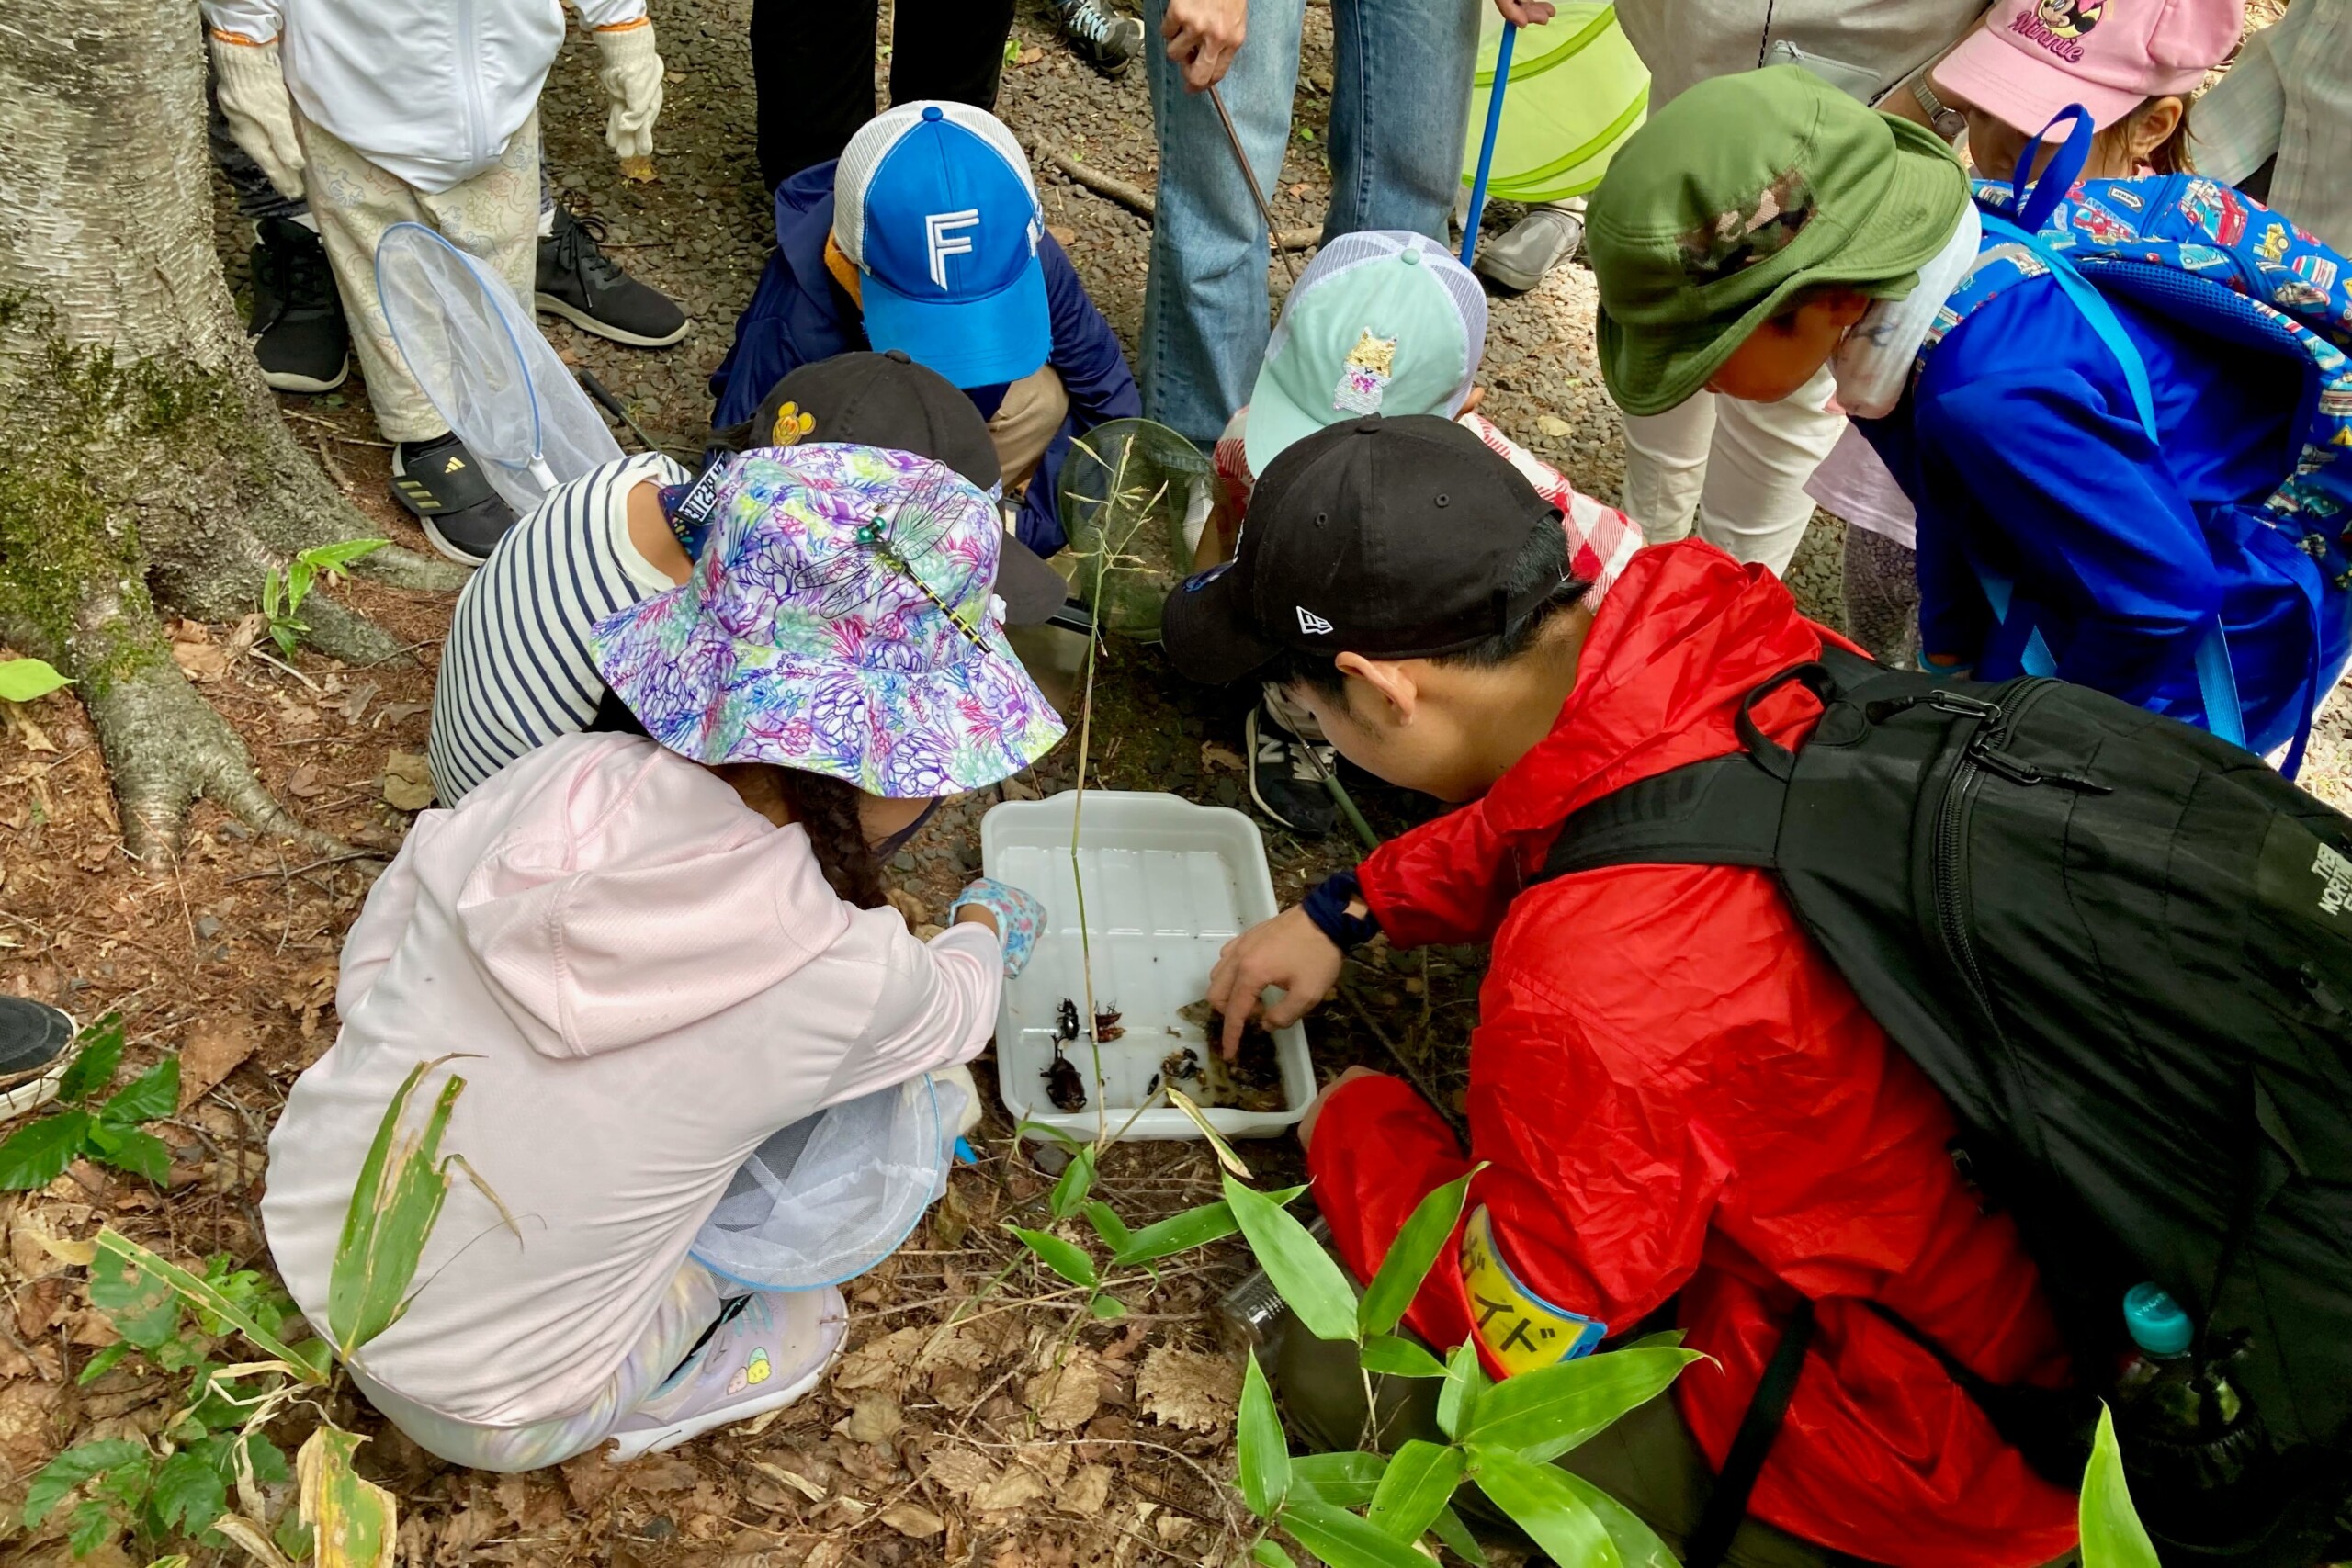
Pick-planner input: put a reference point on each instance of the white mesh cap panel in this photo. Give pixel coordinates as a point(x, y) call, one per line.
point(1369, 245)
point(873, 143)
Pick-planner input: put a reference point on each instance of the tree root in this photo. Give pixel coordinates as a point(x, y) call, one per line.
point(397, 568)
point(340, 632)
point(166, 747)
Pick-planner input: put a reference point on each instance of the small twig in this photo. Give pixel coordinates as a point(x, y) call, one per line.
point(1141, 202)
point(329, 426)
point(284, 874)
point(1257, 194)
point(267, 658)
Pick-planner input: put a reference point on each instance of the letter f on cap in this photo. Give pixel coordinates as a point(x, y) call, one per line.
point(938, 230)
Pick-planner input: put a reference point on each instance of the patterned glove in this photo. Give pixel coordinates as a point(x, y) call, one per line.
point(254, 101)
point(631, 75)
point(1019, 919)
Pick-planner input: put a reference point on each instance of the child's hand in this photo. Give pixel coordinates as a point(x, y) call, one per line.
point(1018, 918)
point(1524, 13)
point(1287, 952)
point(631, 76)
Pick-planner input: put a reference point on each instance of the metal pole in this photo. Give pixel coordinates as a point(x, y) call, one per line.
point(1232, 139)
point(1486, 147)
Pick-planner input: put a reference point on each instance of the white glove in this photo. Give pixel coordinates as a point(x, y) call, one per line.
point(960, 1075)
point(631, 75)
point(254, 101)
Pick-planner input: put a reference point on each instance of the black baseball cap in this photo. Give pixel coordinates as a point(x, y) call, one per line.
point(1389, 537)
point(863, 399)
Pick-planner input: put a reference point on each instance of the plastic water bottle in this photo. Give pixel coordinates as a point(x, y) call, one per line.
point(2167, 1395)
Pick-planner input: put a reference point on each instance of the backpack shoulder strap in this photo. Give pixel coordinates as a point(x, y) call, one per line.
point(1723, 811)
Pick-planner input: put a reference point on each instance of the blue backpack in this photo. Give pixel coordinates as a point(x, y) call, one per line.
point(2216, 260)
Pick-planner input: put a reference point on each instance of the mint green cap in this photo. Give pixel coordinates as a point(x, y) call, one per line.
point(1381, 322)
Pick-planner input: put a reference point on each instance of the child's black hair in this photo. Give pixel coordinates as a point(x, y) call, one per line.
point(825, 807)
point(1543, 560)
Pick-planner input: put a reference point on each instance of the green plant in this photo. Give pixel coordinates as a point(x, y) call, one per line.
point(22, 680)
point(38, 1153)
point(282, 593)
point(2112, 1534)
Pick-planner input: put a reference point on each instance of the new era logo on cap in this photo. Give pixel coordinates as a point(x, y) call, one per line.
point(1312, 624)
point(934, 204)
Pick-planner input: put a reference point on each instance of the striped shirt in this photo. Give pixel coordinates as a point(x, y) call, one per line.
point(516, 672)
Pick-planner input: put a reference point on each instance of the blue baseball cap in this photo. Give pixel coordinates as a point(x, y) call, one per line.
point(934, 204)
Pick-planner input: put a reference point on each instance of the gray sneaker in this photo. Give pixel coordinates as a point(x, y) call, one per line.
point(1099, 34)
point(1536, 244)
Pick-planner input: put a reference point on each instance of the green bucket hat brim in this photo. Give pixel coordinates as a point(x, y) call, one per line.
point(1649, 369)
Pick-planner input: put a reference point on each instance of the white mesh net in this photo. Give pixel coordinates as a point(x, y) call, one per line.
point(873, 143)
point(1369, 245)
point(831, 1196)
point(478, 357)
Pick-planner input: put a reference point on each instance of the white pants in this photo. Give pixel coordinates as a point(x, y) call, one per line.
point(493, 216)
point(1739, 468)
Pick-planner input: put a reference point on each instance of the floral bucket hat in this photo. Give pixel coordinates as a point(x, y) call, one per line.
point(839, 620)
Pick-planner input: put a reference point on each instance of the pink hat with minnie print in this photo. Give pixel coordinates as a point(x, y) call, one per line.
point(2032, 58)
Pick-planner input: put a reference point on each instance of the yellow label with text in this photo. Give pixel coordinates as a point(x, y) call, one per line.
point(1521, 1329)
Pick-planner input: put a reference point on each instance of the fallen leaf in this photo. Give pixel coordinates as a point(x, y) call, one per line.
point(35, 737)
point(1018, 787)
point(1213, 756)
point(590, 1478)
point(1067, 237)
point(1016, 1488)
point(960, 1470)
point(27, 1423)
point(408, 780)
point(638, 169)
point(913, 1519)
point(1552, 425)
point(1031, 56)
point(199, 660)
point(211, 1053)
point(1193, 1390)
point(874, 1419)
point(303, 783)
point(1067, 1396)
point(909, 906)
point(799, 1483)
point(879, 1362)
point(399, 713)
point(1085, 1493)
point(658, 1472)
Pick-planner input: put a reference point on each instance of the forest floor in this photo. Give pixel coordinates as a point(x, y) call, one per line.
point(972, 1421)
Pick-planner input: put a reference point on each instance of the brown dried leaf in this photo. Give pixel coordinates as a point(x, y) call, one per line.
point(1213, 757)
point(638, 169)
point(879, 1363)
point(408, 780)
point(211, 1053)
point(1016, 1488)
point(1087, 1493)
point(913, 1519)
point(27, 1421)
point(1067, 1396)
point(960, 1470)
point(590, 1478)
point(1019, 787)
point(1191, 1390)
point(200, 659)
point(658, 1472)
point(875, 1418)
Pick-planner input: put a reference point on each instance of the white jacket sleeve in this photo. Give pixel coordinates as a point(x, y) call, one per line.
point(937, 1007)
point(598, 15)
point(258, 21)
point(376, 935)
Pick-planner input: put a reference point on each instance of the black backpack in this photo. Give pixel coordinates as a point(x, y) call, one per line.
point(2123, 950)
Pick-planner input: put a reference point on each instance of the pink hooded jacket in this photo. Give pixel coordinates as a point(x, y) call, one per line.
point(647, 978)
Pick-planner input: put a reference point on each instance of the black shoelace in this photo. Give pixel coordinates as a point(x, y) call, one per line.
point(296, 277)
point(579, 248)
point(1092, 20)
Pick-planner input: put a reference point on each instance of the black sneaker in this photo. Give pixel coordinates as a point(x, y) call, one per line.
point(36, 1047)
point(1287, 775)
point(579, 282)
point(442, 484)
point(1099, 34)
point(298, 329)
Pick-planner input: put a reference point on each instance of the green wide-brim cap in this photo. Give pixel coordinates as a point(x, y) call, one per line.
point(1695, 240)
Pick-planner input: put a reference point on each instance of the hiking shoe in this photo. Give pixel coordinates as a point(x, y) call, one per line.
point(1287, 775)
point(297, 325)
point(579, 282)
point(768, 1350)
point(441, 485)
point(1099, 34)
point(1536, 244)
point(36, 1047)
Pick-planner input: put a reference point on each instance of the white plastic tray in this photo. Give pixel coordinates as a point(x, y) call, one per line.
point(1167, 884)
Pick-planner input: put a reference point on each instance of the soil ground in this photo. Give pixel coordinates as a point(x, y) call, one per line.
point(1022, 1435)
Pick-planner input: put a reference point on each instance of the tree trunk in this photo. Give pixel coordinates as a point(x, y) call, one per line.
point(144, 465)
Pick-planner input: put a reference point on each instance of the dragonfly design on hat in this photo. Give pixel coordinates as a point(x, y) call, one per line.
point(1753, 232)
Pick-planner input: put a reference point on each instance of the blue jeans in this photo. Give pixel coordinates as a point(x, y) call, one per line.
point(1399, 104)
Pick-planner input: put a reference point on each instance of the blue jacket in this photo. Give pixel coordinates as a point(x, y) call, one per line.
point(2018, 442)
point(799, 315)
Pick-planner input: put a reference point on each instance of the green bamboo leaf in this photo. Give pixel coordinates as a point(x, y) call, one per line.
point(1466, 1380)
point(1109, 1227)
point(94, 1065)
point(1538, 1499)
point(1344, 1480)
point(334, 559)
point(127, 1149)
point(72, 1468)
point(272, 594)
point(38, 1153)
point(299, 573)
point(355, 1521)
point(1664, 1340)
point(1307, 1278)
point(189, 1288)
point(153, 1094)
point(1191, 1228)
point(1223, 1150)
point(2112, 1534)
point(1638, 1546)
point(1269, 1555)
point(1423, 1236)
point(1400, 1358)
point(1077, 1180)
point(1456, 1535)
point(102, 1363)
point(402, 1184)
point(1542, 1414)
point(1107, 1307)
point(22, 680)
point(1420, 1482)
point(1344, 1540)
point(1066, 1258)
point(1263, 1452)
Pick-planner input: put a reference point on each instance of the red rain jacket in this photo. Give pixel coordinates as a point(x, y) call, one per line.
point(1677, 1093)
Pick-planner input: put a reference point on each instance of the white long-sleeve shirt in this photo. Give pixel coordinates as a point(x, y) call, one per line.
point(429, 90)
point(2289, 96)
point(643, 979)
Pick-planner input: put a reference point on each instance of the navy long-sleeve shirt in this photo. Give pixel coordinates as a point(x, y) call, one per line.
point(2020, 442)
point(800, 314)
